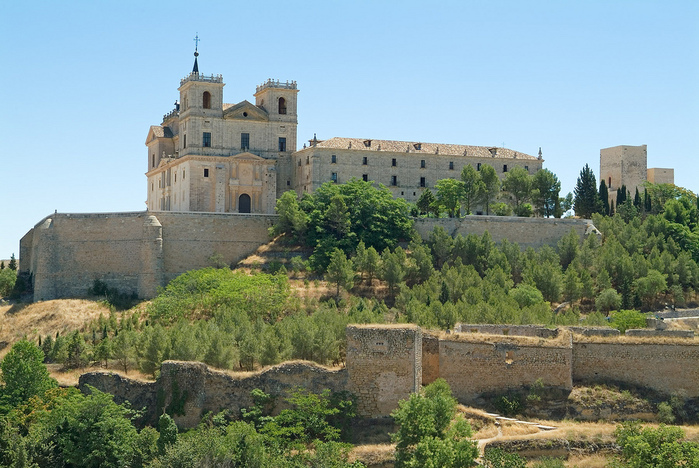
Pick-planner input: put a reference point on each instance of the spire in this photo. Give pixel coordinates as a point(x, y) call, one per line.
point(195, 69)
point(539, 152)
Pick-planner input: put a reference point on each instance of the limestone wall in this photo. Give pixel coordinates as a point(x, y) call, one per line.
point(133, 252)
point(514, 330)
point(665, 367)
point(384, 365)
point(475, 366)
point(527, 232)
point(430, 358)
point(196, 389)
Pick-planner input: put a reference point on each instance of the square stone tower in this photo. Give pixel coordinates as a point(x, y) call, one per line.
point(623, 165)
point(384, 363)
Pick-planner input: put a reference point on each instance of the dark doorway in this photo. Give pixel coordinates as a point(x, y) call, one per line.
point(244, 203)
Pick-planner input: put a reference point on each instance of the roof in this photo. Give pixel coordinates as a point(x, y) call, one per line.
point(364, 144)
point(161, 132)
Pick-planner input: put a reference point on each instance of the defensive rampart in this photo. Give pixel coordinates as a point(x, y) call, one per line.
point(386, 363)
point(132, 252)
point(141, 251)
point(527, 232)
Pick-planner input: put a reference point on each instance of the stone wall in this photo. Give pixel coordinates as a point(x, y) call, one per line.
point(665, 367)
point(476, 366)
point(132, 252)
point(384, 365)
point(513, 330)
point(527, 232)
point(196, 389)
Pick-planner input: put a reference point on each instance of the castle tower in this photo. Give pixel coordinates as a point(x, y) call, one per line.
point(201, 101)
point(623, 165)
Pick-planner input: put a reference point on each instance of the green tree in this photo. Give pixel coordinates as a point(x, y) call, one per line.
point(441, 244)
point(340, 271)
point(518, 184)
point(393, 268)
point(7, 281)
point(123, 349)
point(604, 198)
point(498, 458)
point(426, 203)
point(429, 435)
point(650, 287)
point(490, 188)
point(473, 185)
point(168, 432)
point(568, 247)
point(649, 447)
point(13, 263)
point(586, 197)
point(292, 220)
point(608, 300)
point(545, 190)
point(24, 375)
point(449, 195)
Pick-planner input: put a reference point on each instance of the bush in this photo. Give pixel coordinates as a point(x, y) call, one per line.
point(7, 281)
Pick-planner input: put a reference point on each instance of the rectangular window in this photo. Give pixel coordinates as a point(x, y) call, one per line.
point(393, 162)
point(333, 159)
point(504, 168)
point(365, 177)
point(451, 165)
point(478, 167)
point(423, 183)
point(526, 168)
point(244, 141)
point(365, 161)
point(288, 183)
point(184, 141)
point(422, 163)
point(333, 177)
point(282, 143)
point(394, 180)
point(206, 140)
point(206, 173)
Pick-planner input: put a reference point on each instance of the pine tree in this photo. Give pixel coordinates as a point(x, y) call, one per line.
point(586, 197)
point(637, 200)
point(604, 197)
point(425, 202)
point(340, 271)
point(13, 263)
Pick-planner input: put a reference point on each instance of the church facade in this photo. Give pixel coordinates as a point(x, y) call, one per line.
point(209, 156)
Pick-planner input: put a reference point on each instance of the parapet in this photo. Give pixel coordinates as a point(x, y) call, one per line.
point(508, 330)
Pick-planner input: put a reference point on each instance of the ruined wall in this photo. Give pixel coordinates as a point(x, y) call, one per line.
point(514, 330)
point(196, 389)
point(665, 367)
point(132, 252)
point(384, 364)
point(527, 232)
point(430, 358)
point(476, 366)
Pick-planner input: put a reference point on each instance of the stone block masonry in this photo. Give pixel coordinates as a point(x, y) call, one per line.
point(384, 365)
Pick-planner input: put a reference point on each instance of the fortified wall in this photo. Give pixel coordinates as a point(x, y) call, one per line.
point(387, 363)
point(141, 251)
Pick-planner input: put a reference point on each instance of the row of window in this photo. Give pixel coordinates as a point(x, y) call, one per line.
point(394, 179)
point(244, 142)
point(206, 102)
point(423, 163)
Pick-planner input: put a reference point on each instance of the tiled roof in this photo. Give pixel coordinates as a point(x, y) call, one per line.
point(161, 132)
point(422, 148)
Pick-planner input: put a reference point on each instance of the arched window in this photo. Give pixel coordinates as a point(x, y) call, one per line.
point(282, 105)
point(244, 203)
point(207, 100)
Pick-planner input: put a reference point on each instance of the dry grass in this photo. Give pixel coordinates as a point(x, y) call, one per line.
point(517, 430)
point(587, 461)
point(562, 340)
point(46, 318)
point(373, 454)
point(635, 340)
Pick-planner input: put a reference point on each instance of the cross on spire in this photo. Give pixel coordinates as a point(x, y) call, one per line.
point(196, 42)
point(195, 69)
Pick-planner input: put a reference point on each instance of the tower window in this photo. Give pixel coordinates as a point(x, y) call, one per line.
point(333, 177)
point(394, 180)
point(184, 143)
point(393, 162)
point(365, 177)
point(478, 167)
point(333, 159)
point(609, 184)
point(282, 107)
point(207, 100)
point(365, 161)
point(206, 140)
point(282, 143)
point(451, 165)
point(526, 168)
point(206, 173)
point(504, 168)
point(183, 174)
point(422, 163)
point(423, 183)
point(153, 160)
point(288, 183)
point(244, 141)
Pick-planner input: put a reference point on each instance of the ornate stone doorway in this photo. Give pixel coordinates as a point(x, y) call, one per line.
point(244, 203)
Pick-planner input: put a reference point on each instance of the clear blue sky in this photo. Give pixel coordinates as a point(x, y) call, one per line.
point(81, 82)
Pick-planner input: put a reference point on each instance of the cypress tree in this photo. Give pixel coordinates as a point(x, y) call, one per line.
point(587, 199)
point(604, 197)
point(646, 201)
point(637, 199)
